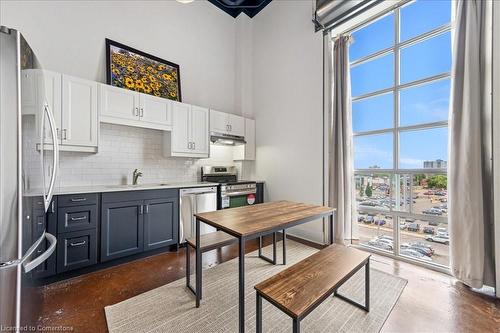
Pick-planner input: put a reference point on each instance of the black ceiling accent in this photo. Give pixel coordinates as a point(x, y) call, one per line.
point(235, 7)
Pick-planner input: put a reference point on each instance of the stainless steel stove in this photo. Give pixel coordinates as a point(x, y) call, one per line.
point(232, 192)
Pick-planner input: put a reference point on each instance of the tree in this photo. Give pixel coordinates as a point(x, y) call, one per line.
point(368, 191)
point(361, 191)
point(437, 181)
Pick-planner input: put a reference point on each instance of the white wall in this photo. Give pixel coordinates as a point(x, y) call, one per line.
point(68, 37)
point(287, 102)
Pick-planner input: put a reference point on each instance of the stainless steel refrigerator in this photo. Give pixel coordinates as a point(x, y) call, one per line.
point(29, 157)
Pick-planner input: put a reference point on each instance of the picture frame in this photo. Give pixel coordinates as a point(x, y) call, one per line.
point(132, 69)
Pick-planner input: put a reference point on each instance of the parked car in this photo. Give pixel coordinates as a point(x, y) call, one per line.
point(432, 211)
point(369, 219)
point(415, 254)
point(438, 239)
point(380, 244)
point(422, 245)
point(385, 237)
point(413, 227)
point(379, 222)
point(442, 230)
point(361, 218)
point(428, 230)
point(433, 223)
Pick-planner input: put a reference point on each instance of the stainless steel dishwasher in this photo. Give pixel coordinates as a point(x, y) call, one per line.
point(193, 201)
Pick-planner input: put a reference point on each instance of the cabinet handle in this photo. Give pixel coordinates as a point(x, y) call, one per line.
point(136, 111)
point(58, 134)
point(194, 145)
point(142, 113)
point(77, 243)
point(52, 207)
point(230, 128)
point(141, 209)
point(147, 209)
point(80, 218)
point(65, 134)
point(78, 199)
point(189, 145)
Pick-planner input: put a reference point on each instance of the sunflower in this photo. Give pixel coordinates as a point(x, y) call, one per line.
point(173, 94)
point(139, 84)
point(144, 79)
point(130, 68)
point(115, 71)
point(129, 82)
point(161, 67)
point(167, 77)
point(157, 93)
point(147, 89)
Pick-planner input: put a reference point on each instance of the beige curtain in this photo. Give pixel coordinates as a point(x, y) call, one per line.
point(469, 172)
point(341, 195)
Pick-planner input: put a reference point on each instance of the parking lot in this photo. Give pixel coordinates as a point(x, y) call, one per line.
point(423, 237)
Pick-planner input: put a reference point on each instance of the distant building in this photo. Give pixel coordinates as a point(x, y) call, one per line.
point(437, 164)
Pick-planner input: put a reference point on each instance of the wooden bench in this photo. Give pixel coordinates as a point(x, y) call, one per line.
point(299, 289)
point(210, 241)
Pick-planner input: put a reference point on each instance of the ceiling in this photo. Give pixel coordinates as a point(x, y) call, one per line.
point(235, 7)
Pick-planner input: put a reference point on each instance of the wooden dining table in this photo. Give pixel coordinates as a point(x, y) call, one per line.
point(250, 222)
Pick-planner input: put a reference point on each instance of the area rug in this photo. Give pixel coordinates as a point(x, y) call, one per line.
point(171, 308)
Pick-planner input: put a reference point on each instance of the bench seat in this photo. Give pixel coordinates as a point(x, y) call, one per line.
point(300, 288)
point(213, 240)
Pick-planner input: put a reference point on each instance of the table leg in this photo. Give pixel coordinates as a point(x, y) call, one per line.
point(284, 247)
point(258, 311)
point(198, 264)
point(242, 286)
point(275, 260)
point(296, 326)
point(330, 219)
point(367, 286)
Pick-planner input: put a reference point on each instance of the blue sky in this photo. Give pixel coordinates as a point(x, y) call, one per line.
point(418, 105)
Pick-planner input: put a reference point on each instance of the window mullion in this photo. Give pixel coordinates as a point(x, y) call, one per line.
point(395, 154)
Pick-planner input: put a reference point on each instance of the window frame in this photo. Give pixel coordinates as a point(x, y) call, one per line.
point(396, 173)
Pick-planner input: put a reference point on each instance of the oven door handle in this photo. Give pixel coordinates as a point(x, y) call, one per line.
point(235, 194)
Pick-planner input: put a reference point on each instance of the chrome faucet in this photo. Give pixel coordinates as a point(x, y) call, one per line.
point(135, 176)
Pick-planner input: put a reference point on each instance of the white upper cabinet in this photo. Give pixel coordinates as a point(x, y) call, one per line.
point(79, 118)
point(199, 130)
point(246, 152)
point(155, 111)
point(227, 123)
point(236, 125)
point(126, 107)
point(181, 142)
point(72, 101)
point(117, 105)
point(189, 136)
point(218, 121)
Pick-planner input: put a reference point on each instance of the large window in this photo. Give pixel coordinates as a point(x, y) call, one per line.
point(400, 83)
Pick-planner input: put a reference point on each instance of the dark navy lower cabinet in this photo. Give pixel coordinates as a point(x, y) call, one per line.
point(122, 229)
point(76, 250)
point(44, 221)
point(160, 222)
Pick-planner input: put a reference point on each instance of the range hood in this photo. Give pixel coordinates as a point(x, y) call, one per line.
point(224, 139)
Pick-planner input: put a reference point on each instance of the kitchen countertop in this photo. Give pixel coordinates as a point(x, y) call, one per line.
point(118, 188)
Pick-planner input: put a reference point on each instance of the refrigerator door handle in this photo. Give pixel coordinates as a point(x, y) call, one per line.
point(28, 266)
point(55, 151)
point(38, 260)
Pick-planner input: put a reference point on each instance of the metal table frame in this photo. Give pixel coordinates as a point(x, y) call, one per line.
point(241, 255)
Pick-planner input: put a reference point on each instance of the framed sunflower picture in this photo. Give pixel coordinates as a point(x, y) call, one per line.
point(135, 70)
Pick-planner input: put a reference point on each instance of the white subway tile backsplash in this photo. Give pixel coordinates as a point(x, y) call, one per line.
point(123, 149)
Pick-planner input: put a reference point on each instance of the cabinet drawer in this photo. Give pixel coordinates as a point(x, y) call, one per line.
point(76, 218)
point(76, 249)
point(77, 199)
